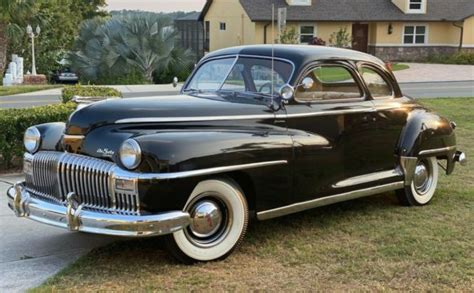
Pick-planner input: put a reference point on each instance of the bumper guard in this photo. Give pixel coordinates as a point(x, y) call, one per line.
point(75, 218)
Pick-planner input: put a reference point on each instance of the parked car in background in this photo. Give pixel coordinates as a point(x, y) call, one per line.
point(257, 132)
point(65, 76)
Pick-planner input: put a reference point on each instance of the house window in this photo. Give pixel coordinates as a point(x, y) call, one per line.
point(414, 34)
point(415, 5)
point(306, 34)
point(222, 26)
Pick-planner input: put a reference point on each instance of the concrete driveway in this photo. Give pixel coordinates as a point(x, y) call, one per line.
point(31, 252)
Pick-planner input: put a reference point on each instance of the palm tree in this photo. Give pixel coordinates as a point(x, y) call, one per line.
point(13, 13)
point(130, 42)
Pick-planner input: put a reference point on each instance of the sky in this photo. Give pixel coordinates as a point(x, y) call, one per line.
point(156, 5)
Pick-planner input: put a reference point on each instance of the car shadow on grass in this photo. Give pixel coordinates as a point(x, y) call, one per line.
point(152, 250)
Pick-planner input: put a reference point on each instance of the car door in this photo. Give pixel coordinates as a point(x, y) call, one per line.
point(331, 124)
point(390, 115)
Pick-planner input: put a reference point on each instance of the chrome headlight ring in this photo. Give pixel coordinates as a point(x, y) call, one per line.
point(130, 154)
point(32, 139)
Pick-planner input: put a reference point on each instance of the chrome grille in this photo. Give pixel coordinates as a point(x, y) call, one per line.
point(54, 174)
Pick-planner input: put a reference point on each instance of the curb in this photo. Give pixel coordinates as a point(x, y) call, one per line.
point(433, 81)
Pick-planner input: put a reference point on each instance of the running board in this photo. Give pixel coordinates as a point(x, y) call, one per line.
point(324, 201)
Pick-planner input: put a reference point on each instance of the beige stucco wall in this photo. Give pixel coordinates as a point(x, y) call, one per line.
point(468, 38)
point(239, 29)
point(439, 33)
point(322, 30)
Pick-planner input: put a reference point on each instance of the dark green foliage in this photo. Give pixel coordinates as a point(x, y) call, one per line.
point(88, 91)
point(59, 21)
point(132, 47)
point(465, 58)
point(14, 122)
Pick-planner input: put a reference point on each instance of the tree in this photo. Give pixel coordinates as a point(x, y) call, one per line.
point(289, 36)
point(341, 38)
point(11, 14)
point(59, 21)
point(126, 44)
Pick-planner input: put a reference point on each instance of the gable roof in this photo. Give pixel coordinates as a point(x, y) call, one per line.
point(355, 10)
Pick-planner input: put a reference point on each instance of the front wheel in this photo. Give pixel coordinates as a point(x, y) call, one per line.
point(423, 187)
point(219, 220)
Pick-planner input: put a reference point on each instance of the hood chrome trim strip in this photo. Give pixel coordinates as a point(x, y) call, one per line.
point(240, 117)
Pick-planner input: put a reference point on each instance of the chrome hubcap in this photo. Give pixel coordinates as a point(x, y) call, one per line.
point(206, 218)
point(422, 178)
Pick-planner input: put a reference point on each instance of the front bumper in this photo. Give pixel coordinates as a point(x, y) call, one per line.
point(74, 217)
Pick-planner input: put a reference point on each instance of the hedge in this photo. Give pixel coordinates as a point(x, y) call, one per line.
point(88, 91)
point(14, 122)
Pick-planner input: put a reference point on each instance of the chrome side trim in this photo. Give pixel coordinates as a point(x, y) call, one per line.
point(194, 119)
point(437, 151)
point(301, 206)
point(120, 173)
point(408, 165)
point(366, 178)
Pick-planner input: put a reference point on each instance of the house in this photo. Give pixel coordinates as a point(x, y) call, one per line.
point(191, 34)
point(389, 29)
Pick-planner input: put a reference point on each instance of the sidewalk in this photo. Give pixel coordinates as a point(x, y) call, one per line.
point(419, 72)
point(31, 252)
point(125, 89)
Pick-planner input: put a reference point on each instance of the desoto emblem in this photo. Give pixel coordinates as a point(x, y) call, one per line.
point(106, 152)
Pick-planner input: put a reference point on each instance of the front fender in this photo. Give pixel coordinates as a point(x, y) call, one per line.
point(192, 150)
point(427, 134)
point(51, 134)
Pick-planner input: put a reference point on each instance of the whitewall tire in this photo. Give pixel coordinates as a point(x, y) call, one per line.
point(219, 214)
point(423, 187)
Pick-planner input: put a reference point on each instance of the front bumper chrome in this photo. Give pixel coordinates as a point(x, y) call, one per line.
point(75, 218)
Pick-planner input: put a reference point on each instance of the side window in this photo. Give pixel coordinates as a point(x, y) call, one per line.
point(235, 80)
point(378, 87)
point(262, 77)
point(331, 82)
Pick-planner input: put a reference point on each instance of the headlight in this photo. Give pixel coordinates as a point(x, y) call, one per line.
point(32, 139)
point(130, 154)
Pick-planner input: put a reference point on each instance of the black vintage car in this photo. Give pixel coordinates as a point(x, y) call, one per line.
point(257, 132)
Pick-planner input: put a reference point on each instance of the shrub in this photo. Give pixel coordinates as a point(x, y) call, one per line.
point(341, 38)
point(463, 58)
point(289, 35)
point(88, 91)
point(14, 122)
point(317, 42)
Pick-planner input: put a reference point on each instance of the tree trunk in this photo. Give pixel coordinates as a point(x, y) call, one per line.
point(3, 48)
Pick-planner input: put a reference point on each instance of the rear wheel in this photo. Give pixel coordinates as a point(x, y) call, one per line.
point(423, 187)
point(219, 215)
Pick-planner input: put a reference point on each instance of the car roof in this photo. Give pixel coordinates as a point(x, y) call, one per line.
point(300, 55)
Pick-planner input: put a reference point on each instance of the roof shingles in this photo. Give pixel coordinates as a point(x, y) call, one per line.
point(359, 10)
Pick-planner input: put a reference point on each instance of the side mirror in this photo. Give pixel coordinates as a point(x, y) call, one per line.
point(175, 81)
point(287, 92)
point(307, 83)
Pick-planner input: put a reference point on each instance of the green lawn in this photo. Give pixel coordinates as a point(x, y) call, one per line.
point(20, 89)
point(370, 244)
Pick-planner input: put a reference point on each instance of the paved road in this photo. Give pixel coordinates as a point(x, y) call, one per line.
point(421, 89)
point(31, 252)
point(439, 89)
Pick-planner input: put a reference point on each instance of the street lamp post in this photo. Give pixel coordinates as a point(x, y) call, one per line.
point(32, 35)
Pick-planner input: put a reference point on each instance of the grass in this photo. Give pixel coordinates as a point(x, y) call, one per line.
point(399, 66)
point(20, 89)
point(371, 244)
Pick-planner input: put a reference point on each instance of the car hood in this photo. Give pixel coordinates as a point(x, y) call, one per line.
point(164, 109)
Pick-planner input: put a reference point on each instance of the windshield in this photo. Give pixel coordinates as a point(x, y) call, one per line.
point(241, 74)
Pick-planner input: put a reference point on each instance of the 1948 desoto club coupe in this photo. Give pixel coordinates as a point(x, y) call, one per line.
point(257, 131)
